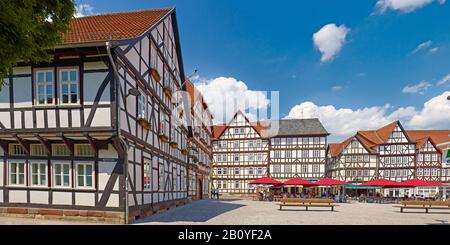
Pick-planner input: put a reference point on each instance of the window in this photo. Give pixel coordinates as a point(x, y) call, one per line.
point(304, 168)
point(259, 157)
point(37, 150)
point(16, 150)
point(39, 174)
point(277, 168)
point(242, 130)
point(316, 153)
point(433, 172)
point(236, 158)
point(288, 154)
point(316, 140)
point(316, 168)
point(304, 154)
point(68, 86)
point(236, 131)
point(236, 144)
point(387, 173)
point(258, 143)
point(84, 150)
point(289, 141)
point(250, 143)
point(60, 150)
point(277, 154)
point(225, 171)
point(219, 171)
point(434, 157)
point(251, 171)
point(17, 173)
point(366, 172)
point(142, 106)
point(237, 171)
point(236, 185)
point(288, 168)
point(260, 171)
point(277, 141)
point(251, 157)
point(427, 157)
point(147, 174)
point(161, 176)
point(305, 141)
point(61, 173)
point(366, 158)
point(84, 175)
point(222, 144)
point(44, 87)
point(354, 144)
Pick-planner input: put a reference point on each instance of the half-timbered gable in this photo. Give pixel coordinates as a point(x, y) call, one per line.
point(102, 127)
point(351, 161)
point(240, 155)
point(298, 150)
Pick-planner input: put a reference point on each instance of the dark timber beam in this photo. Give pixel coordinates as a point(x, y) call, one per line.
point(69, 144)
point(92, 142)
point(25, 145)
point(44, 143)
point(4, 146)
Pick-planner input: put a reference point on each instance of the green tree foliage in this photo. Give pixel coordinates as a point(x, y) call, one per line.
point(29, 29)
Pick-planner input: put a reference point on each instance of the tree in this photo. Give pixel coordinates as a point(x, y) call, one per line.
point(29, 29)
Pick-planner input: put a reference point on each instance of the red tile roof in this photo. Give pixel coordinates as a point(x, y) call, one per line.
point(114, 26)
point(370, 139)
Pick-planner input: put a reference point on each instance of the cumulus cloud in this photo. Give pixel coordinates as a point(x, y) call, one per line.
point(404, 6)
point(433, 50)
point(417, 88)
point(444, 80)
point(344, 122)
point(83, 10)
point(226, 95)
point(329, 40)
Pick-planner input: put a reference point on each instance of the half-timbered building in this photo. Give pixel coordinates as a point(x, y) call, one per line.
point(99, 132)
point(297, 149)
point(390, 152)
point(240, 155)
point(244, 151)
point(199, 144)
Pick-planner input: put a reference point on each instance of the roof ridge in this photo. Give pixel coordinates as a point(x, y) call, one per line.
point(125, 12)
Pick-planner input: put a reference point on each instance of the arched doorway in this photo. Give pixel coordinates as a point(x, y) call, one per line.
point(199, 189)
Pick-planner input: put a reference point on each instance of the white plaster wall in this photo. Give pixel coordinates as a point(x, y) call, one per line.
point(113, 201)
point(62, 198)
point(51, 116)
point(76, 121)
point(39, 197)
point(1, 196)
point(17, 196)
point(28, 119)
point(5, 119)
point(102, 118)
point(23, 70)
point(85, 199)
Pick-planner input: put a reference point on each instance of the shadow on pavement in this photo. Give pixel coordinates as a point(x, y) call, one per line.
point(198, 211)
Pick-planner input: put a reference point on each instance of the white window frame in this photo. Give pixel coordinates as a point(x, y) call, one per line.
point(38, 173)
point(68, 83)
point(77, 185)
point(17, 162)
point(54, 173)
point(140, 113)
point(45, 84)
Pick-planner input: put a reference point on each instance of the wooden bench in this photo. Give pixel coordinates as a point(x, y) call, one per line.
point(307, 203)
point(424, 205)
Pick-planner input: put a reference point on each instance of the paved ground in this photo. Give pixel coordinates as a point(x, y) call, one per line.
point(246, 212)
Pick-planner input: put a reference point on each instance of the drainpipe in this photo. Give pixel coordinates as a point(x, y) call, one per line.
point(117, 123)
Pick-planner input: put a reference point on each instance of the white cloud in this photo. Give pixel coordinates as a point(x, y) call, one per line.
point(329, 40)
point(422, 46)
point(417, 88)
point(433, 50)
point(83, 10)
point(404, 6)
point(337, 88)
point(444, 80)
point(344, 122)
point(226, 95)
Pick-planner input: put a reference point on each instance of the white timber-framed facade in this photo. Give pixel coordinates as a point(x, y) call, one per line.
point(244, 151)
point(100, 132)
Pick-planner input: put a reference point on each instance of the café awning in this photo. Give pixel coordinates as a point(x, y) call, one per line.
point(299, 181)
point(330, 182)
point(265, 181)
point(421, 183)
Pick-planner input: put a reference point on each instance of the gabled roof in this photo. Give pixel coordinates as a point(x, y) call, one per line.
point(371, 139)
point(288, 127)
point(114, 26)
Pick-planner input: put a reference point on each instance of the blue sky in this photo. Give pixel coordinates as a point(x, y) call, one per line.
point(268, 45)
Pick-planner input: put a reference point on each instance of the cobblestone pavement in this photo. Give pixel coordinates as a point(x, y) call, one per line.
point(247, 212)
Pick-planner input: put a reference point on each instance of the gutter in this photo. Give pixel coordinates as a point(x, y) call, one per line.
point(117, 123)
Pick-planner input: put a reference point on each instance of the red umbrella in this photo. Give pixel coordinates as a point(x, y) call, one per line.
point(299, 181)
point(381, 183)
point(330, 182)
point(266, 181)
point(421, 183)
